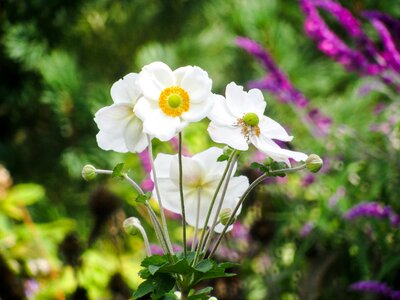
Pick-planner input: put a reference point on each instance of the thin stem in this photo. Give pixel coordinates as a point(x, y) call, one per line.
point(181, 194)
point(163, 220)
point(156, 224)
point(196, 228)
point(200, 245)
point(133, 183)
point(246, 193)
point(99, 171)
point(216, 217)
point(145, 239)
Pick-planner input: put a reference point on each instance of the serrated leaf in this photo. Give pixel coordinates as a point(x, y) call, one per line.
point(223, 157)
point(180, 267)
point(153, 269)
point(143, 198)
point(156, 260)
point(204, 266)
point(118, 171)
point(144, 288)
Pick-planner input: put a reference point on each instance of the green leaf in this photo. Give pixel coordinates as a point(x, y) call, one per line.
point(201, 294)
point(153, 269)
point(164, 283)
point(228, 265)
point(204, 266)
point(223, 157)
point(180, 267)
point(143, 198)
point(144, 288)
point(118, 171)
point(156, 260)
point(258, 166)
point(25, 194)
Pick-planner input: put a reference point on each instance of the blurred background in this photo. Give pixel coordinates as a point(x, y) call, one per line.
point(330, 75)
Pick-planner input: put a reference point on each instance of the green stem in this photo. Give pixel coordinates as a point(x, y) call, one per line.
point(181, 194)
point(163, 220)
point(216, 217)
point(200, 245)
point(244, 196)
point(153, 216)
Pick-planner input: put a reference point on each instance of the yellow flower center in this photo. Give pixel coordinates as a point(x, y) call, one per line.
point(174, 101)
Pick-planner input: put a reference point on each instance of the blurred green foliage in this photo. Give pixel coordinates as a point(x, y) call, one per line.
point(58, 60)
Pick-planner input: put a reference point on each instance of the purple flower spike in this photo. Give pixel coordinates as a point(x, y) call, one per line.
point(390, 54)
point(368, 209)
point(306, 229)
point(375, 287)
point(276, 81)
point(321, 122)
point(329, 43)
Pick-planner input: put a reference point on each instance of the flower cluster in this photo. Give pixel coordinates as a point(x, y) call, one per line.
point(159, 103)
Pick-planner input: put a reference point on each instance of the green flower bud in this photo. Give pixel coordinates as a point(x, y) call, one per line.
point(89, 172)
point(314, 163)
point(225, 215)
point(131, 226)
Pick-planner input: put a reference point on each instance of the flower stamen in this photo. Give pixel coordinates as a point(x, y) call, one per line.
point(249, 125)
point(174, 101)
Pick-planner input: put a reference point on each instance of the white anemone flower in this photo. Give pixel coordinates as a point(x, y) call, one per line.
point(239, 120)
point(172, 99)
point(120, 129)
point(201, 175)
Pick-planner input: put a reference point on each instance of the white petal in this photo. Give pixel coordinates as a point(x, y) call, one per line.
point(111, 141)
point(191, 171)
point(191, 208)
point(144, 108)
point(161, 126)
point(114, 117)
point(162, 164)
point(236, 188)
point(229, 135)
point(220, 113)
point(236, 99)
point(255, 102)
point(126, 90)
point(208, 161)
point(272, 150)
point(198, 111)
point(219, 228)
point(195, 81)
point(154, 78)
point(273, 130)
point(170, 195)
point(135, 139)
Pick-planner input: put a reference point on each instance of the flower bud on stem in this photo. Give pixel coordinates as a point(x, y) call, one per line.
point(132, 226)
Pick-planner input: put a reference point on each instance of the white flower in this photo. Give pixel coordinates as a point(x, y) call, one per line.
point(120, 129)
point(201, 175)
point(172, 99)
point(239, 121)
